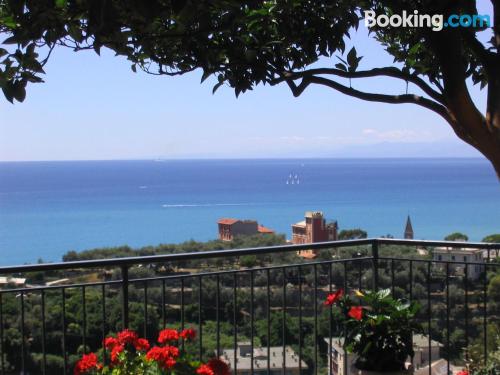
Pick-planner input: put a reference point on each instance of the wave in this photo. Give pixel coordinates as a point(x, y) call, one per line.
point(205, 205)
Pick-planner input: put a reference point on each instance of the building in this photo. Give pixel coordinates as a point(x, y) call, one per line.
point(12, 281)
point(230, 228)
point(342, 365)
point(421, 348)
point(439, 367)
point(261, 360)
point(313, 229)
point(336, 357)
point(409, 235)
point(448, 254)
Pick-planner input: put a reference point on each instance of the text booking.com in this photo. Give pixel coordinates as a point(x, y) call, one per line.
point(435, 21)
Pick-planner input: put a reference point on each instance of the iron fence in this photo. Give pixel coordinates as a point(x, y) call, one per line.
point(276, 302)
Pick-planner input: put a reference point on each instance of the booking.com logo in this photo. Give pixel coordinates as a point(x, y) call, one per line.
point(436, 21)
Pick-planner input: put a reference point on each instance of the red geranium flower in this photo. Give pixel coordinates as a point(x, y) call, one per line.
point(205, 370)
point(169, 363)
point(88, 362)
point(142, 345)
point(155, 354)
point(356, 312)
point(188, 334)
point(110, 343)
point(463, 372)
point(172, 351)
point(219, 367)
point(115, 352)
point(165, 356)
point(334, 297)
point(168, 335)
point(127, 336)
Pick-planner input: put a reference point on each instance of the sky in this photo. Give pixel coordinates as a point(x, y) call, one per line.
point(96, 108)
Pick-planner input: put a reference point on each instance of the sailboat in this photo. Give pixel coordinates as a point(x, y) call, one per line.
point(293, 179)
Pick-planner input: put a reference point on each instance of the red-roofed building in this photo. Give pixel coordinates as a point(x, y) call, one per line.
point(230, 228)
point(263, 229)
point(313, 229)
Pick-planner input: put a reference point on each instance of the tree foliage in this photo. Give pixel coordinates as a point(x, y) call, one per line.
point(245, 43)
point(352, 234)
point(457, 236)
point(494, 238)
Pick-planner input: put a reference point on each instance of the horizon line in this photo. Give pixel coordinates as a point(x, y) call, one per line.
point(163, 159)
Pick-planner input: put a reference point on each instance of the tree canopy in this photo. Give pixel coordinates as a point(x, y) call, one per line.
point(494, 238)
point(250, 42)
point(352, 234)
point(457, 236)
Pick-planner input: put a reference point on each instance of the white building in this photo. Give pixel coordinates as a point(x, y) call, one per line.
point(340, 365)
point(448, 254)
point(15, 281)
point(260, 360)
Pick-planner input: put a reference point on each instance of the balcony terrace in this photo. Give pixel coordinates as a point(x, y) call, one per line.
point(276, 303)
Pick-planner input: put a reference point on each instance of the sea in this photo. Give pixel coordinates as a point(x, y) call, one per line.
point(49, 208)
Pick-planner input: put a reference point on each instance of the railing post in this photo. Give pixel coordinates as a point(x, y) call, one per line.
point(125, 280)
point(375, 264)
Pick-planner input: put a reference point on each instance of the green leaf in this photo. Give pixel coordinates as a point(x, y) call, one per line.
point(8, 21)
point(35, 66)
point(19, 92)
point(341, 66)
point(11, 40)
point(414, 49)
point(216, 87)
point(352, 57)
point(76, 33)
point(7, 92)
point(383, 293)
point(3, 52)
point(61, 3)
point(205, 75)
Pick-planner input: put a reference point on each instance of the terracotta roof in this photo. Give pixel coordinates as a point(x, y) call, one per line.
point(263, 229)
point(227, 221)
point(307, 254)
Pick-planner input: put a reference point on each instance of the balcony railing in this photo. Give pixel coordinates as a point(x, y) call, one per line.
point(275, 301)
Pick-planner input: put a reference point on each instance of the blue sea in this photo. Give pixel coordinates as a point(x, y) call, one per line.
point(48, 208)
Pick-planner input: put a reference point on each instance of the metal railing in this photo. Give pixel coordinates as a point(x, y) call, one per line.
point(43, 328)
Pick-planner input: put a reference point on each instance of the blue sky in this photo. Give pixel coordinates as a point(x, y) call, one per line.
point(93, 108)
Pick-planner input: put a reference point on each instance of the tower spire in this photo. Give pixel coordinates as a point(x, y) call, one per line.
point(408, 229)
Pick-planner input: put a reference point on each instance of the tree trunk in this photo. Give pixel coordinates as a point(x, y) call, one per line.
point(470, 125)
point(482, 133)
point(492, 121)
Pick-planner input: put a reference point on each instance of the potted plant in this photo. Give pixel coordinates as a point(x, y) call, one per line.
point(477, 365)
point(128, 354)
point(378, 330)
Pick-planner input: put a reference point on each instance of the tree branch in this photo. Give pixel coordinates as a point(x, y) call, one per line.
point(372, 97)
point(376, 72)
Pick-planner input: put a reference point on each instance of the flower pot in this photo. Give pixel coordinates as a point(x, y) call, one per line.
point(355, 371)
